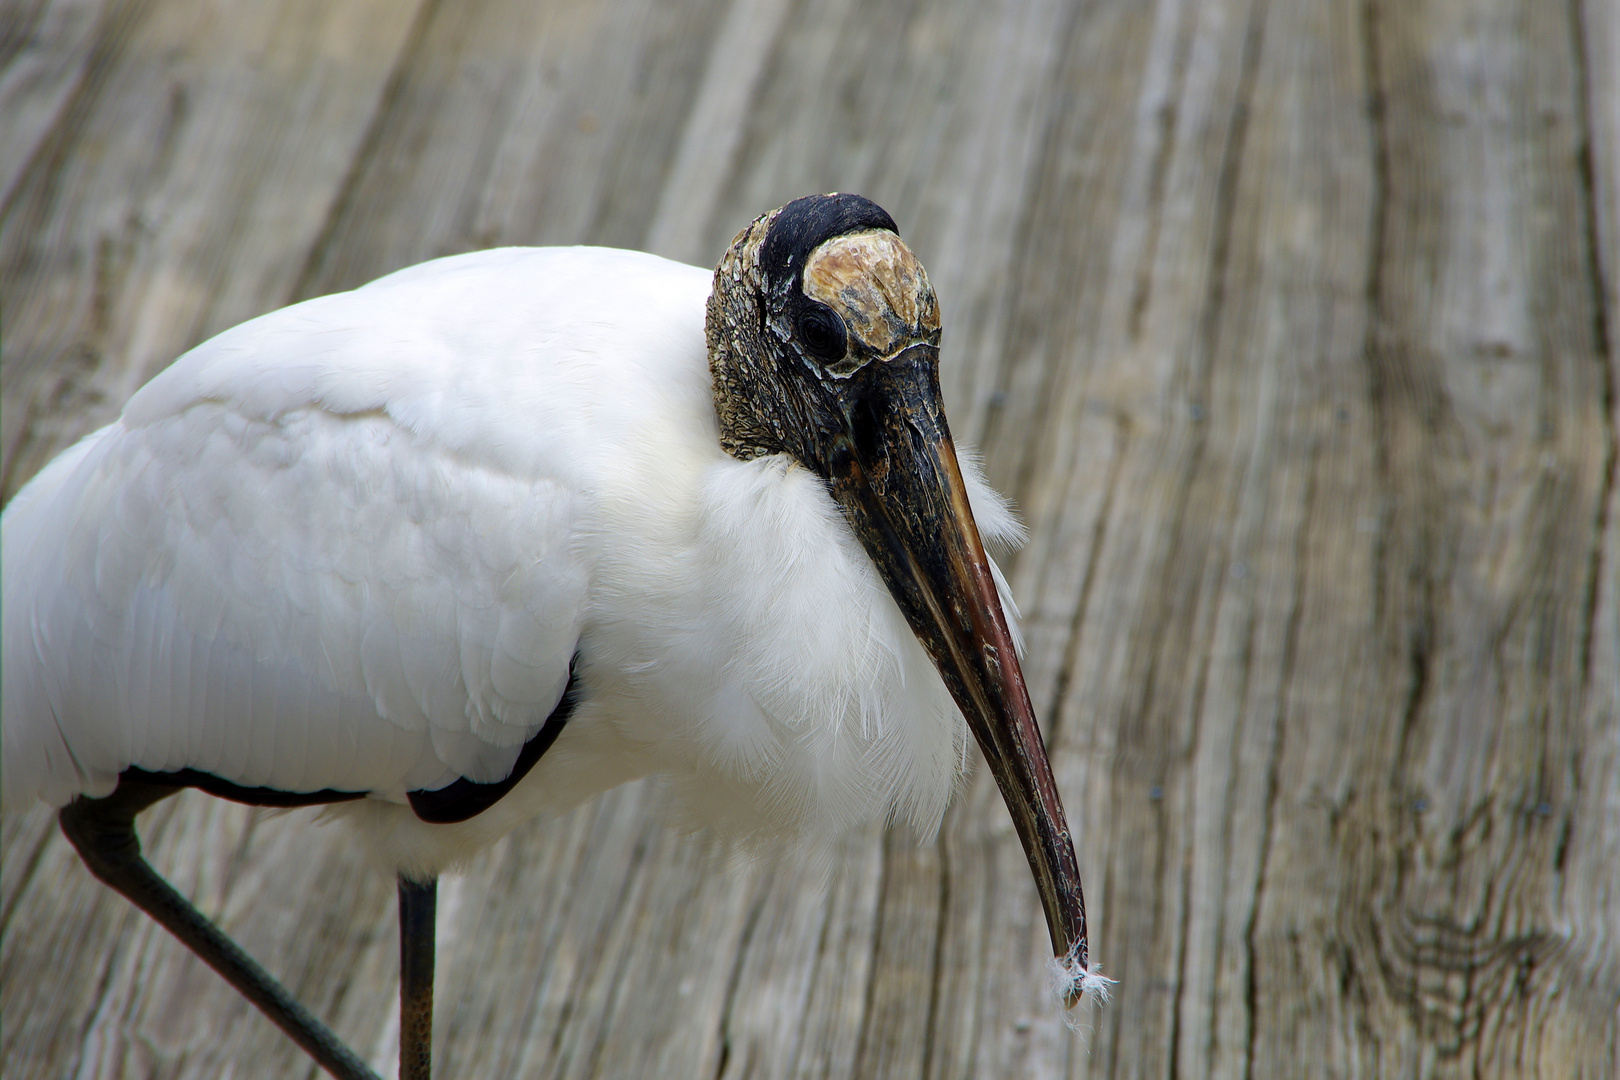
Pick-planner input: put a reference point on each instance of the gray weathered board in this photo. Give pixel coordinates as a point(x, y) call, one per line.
point(1291, 326)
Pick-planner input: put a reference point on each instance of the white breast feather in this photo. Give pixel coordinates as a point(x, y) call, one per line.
point(788, 686)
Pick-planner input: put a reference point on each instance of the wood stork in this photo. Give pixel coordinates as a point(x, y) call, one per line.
point(496, 533)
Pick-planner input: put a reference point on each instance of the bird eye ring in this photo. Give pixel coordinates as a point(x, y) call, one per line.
point(822, 332)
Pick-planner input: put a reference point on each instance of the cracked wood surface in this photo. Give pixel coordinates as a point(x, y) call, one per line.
point(1291, 326)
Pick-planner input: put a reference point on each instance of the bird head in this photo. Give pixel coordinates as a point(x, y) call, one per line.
point(823, 335)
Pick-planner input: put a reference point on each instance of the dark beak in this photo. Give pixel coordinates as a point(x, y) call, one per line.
point(895, 474)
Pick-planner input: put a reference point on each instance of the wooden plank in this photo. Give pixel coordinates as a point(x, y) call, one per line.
point(1486, 387)
point(1588, 909)
point(1290, 327)
point(519, 123)
point(50, 57)
point(176, 196)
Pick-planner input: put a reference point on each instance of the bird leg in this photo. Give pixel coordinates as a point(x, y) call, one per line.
point(418, 905)
point(103, 831)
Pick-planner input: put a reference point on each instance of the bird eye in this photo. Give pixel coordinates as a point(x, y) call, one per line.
point(822, 332)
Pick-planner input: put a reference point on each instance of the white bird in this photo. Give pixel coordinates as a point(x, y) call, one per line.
point(496, 533)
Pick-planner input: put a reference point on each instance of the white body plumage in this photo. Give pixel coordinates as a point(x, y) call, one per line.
point(355, 544)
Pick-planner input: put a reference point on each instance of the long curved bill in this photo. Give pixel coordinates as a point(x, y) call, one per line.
point(895, 474)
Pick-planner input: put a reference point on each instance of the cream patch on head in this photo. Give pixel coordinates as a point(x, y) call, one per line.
point(877, 286)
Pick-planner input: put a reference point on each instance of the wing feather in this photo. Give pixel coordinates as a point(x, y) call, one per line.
point(335, 547)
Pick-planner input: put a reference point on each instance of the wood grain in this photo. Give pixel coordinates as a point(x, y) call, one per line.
point(1291, 326)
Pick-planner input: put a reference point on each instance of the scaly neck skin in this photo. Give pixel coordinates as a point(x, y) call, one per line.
point(744, 390)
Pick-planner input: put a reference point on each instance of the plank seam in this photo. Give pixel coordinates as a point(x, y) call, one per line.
point(1183, 932)
point(39, 182)
point(1378, 225)
point(1231, 835)
point(1027, 227)
point(1587, 170)
point(1290, 655)
point(1099, 535)
point(17, 30)
point(1221, 229)
point(632, 895)
point(734, 982)
point(1168, 117)
point(814, 982)
point(50, 154)
point(1214, 310)
point(941, 928)
point(1226, 189)
point(127, 928)
point(348, 191)
point(869, 996)
point(29, 866)
point(1598, 279)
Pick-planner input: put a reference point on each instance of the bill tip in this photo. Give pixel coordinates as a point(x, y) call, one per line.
point(1071, 979)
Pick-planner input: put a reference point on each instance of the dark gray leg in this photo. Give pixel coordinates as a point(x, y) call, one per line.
point(418, 904)
point(103, 830)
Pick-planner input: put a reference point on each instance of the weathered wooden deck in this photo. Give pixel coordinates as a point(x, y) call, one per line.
point(1291, 325)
